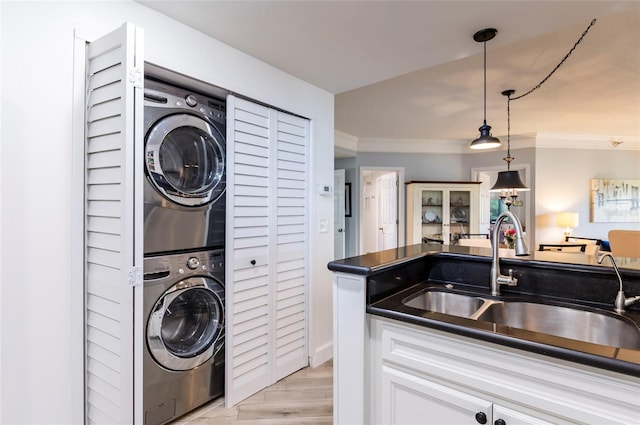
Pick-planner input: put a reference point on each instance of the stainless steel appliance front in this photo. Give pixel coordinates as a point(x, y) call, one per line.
point(183, 362)
point(185, 167)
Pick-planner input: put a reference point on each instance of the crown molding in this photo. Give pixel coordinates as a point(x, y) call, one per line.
point(349, 143)
point(586, 141)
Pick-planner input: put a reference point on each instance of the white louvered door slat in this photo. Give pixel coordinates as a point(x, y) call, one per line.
point(291, 347)
point(247, 288)
point(112, 230)
point(266, 291)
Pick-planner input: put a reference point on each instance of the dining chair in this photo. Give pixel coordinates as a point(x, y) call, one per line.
point(625, 243)
point(563, 247)
point(594, 245)
point(474, 236)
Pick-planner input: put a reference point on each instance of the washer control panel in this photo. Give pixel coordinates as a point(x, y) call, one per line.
point(164, 266)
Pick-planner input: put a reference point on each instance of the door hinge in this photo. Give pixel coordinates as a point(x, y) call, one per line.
point(135, 276)
point(135, 77)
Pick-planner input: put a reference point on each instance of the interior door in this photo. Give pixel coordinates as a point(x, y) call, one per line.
point(267, 251)
point(338, 214)
point(113, 228)
point(388, 213)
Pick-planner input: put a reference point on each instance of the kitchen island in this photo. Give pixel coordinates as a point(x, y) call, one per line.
point(398, 363)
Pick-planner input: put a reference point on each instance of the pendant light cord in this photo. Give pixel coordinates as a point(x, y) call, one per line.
point(508, 158)
point(584, 33)
point(485, 83)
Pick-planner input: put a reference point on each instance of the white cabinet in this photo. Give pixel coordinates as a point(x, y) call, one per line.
point(441, 210)
point(267, 253)
point(412, 399)
point(423, 376)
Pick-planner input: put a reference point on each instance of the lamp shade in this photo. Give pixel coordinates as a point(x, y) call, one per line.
point(508, 180)
point(486, 140)
point(567, 219)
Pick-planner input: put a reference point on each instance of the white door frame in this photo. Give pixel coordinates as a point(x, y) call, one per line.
point(401, 203)
point(525, 196)
point(339, 230)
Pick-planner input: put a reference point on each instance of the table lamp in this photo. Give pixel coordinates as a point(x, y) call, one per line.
point(568, 220)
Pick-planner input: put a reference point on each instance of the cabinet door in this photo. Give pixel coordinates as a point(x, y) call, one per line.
point(463, 212)
point(433, 213)
point(408, 399)
point(513, 417)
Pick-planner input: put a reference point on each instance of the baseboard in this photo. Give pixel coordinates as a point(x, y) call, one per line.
point(321, 355)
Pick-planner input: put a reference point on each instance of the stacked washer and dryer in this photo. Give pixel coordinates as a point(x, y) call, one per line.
point(184, 233)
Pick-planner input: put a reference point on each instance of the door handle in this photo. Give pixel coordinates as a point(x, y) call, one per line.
point(340, 230)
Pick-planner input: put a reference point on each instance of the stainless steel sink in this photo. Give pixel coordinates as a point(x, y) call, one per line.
point(565, 322)
point(445, 302)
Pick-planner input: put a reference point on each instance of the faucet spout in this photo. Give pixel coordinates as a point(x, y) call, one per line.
point(521, 249)
point(621, 300)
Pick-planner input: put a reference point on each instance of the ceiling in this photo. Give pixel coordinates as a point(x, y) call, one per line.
point(409, 72)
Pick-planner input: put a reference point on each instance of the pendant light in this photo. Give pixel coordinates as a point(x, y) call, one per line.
point(486, 140)
point(508, 182)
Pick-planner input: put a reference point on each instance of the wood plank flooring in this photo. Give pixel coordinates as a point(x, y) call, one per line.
point(304, 398)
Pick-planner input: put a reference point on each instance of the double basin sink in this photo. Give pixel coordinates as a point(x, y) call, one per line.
point(575, 322)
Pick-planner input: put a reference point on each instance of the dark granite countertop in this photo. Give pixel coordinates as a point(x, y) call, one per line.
point(544, 277)
point(376, 261)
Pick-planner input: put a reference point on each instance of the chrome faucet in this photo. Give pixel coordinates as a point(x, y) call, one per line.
point(498, 279)
point(621, 300)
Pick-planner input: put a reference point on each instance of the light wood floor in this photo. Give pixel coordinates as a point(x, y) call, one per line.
point(304, 398)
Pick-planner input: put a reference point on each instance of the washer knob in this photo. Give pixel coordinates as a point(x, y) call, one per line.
point(193, 263)
point(191, 100)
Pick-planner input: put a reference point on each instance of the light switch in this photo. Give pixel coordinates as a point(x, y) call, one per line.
point(324, 225)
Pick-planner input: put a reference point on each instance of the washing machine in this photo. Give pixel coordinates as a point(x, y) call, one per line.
point(185, 169)
point(183, 360)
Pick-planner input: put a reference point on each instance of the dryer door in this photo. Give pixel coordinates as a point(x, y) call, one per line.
point(185, 159)
point(186, 325)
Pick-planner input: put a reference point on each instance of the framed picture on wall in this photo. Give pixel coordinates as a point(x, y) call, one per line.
point(347, 199)
point(615, 201)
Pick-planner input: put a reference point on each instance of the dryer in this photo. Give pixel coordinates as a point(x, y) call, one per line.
point(183, 359)
point(185, 169)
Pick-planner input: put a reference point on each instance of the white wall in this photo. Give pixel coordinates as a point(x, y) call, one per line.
point(37, 377)
point(562, 183)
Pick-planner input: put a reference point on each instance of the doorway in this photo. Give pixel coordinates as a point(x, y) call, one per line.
point(490, 204)
point(381, 212)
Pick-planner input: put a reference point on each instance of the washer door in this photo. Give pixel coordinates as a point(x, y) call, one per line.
point(185, 159)
point(186, 322)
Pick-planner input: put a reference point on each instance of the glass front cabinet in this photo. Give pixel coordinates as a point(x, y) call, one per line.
point(441, 210)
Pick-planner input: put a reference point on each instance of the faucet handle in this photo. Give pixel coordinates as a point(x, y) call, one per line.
point(508, 280)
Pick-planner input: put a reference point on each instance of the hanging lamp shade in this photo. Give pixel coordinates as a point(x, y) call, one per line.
point(486, 140)
point(508, 181)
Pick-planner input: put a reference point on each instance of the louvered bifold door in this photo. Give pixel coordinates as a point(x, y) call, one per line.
point(291, 245)
point(266, 284)
point(247, 294)
point(113, 245)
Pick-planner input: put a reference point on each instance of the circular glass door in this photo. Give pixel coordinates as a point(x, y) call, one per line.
point(185, 323)
point(185, 159)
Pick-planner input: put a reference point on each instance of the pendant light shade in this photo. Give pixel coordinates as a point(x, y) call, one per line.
point(508, 180)
point(486, 140)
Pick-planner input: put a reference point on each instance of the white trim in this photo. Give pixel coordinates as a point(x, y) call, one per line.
point(527, 195)
point(77, 349)
point(349, 145)
point(586, 141)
